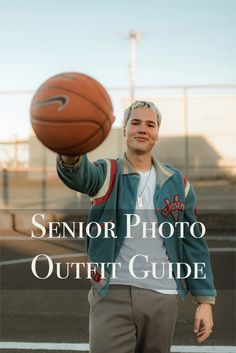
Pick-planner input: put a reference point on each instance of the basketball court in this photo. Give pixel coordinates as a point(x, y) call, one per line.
point(46, 318)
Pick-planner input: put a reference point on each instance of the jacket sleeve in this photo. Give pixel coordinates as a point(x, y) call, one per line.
point(84, 176)
point(195, 250)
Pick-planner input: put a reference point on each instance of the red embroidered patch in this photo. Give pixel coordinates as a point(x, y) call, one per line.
point(173, 208)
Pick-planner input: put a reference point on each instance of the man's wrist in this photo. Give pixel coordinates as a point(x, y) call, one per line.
point(69, 160)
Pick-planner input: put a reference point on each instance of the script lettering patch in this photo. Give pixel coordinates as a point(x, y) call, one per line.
point(173, 208)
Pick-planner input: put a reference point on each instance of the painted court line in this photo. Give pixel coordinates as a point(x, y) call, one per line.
point(30, 259)
point(203, 349)
point(47, 346)
point(221, 237)
point(85, 347)
point(28, 237)
point(222, 249)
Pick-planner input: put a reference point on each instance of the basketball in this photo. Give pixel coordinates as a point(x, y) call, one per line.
point(71, 113)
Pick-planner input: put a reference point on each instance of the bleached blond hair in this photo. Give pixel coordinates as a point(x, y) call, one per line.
point(141, 104)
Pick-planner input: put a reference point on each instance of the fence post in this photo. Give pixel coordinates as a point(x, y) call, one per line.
point(5, 180)
point(44, 177)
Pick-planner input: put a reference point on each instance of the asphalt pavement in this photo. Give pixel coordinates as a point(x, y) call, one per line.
point(52, 315)
point(56, 311)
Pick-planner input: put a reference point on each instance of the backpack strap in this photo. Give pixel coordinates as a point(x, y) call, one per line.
point(105, 192)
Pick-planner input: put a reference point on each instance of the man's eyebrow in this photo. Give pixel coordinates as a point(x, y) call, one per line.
point(147, 121)
point(151, 121)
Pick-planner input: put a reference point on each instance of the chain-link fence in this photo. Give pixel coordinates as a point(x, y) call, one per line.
point(197, 135)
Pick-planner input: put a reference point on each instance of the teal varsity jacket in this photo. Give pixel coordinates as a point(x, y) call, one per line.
point(112, 186)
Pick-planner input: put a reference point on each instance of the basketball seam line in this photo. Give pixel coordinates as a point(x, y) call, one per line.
point(77, 93)
point(37, 120)
point(93, 80)
point(100, 127)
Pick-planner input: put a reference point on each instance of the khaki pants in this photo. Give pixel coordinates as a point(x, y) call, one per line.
point(131, 320)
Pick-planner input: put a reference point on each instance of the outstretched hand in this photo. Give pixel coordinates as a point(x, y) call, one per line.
point(203, 322)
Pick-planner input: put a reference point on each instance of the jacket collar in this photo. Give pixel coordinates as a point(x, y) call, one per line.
point(163, 173)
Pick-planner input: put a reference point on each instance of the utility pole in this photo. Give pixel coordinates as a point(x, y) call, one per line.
point(133, 36)
point(186, 132)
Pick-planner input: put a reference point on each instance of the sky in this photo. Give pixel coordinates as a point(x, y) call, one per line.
point(183, 42)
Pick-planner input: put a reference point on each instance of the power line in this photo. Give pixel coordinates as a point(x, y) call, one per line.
point(147, 87)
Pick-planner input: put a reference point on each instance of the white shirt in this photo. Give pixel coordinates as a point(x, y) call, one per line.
point(153, 248)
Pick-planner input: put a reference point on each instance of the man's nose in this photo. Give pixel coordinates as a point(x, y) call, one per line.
point(142, 128)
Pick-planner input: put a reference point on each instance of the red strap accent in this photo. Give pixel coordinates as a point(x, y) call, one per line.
point(96, 276)
point(112, 180)
point(185, 181)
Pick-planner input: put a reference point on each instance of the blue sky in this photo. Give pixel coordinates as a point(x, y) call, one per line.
point(183, 42)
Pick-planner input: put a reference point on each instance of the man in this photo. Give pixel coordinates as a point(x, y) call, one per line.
point(130, 313)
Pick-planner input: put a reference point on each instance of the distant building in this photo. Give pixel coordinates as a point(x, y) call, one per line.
point(195, 136)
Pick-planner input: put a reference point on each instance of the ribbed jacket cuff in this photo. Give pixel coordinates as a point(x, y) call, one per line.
point(204, 300)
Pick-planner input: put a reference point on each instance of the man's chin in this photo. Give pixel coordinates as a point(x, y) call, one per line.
point(139, 148)
point(141, 151)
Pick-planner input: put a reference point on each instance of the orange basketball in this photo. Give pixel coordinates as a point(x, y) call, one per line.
point(71, 113)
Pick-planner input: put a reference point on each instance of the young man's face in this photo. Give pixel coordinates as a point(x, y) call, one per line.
point(141, 131)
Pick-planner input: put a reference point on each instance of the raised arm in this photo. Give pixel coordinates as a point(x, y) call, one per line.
point(79, 174)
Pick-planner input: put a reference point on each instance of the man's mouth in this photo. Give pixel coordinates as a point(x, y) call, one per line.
point(141, 139)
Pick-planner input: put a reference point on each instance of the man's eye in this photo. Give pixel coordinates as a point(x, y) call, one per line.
point(134, 123)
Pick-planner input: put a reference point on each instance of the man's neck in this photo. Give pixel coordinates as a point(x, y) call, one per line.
point(142, 162)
